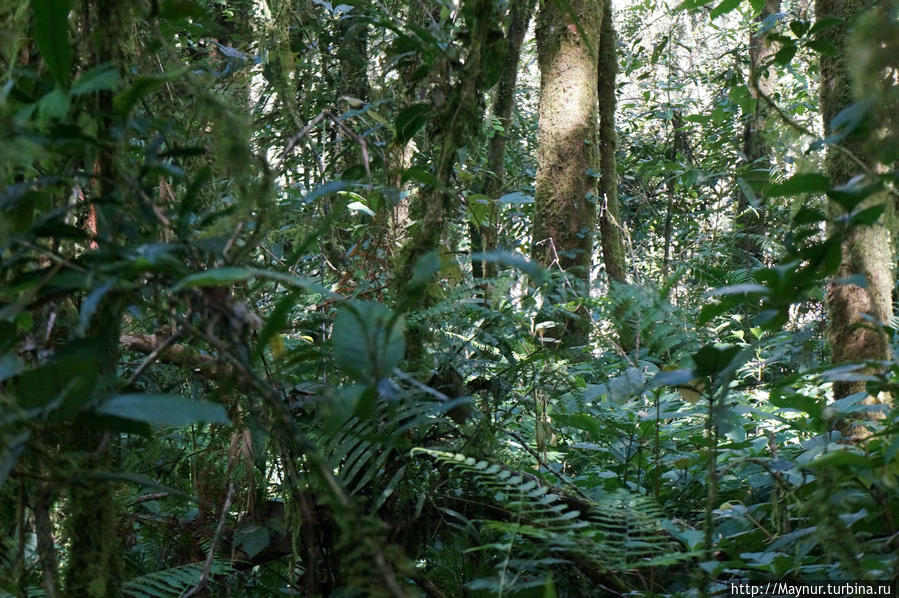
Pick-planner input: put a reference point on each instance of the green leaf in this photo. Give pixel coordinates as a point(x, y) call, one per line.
point(479, 209)
point(221, 277)
point(410, 120)
point(51, 34)
point(799, 27)
point(825, 47)
point(214, 277)
point(100, 78)
point(805, 182)
point(712, 359)
point(785, 54)
point(163, 410)
point(725, 7)
point(252, 538)
point(516, 198)
point(143, 86)
point(358, 206)
point(10, 365)
point(515, 260)
point(868, 216)
point(367, 340)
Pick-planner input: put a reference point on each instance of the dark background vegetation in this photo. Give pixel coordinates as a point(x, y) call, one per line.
point(435, 299)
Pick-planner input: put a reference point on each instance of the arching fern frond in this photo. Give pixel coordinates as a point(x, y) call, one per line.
point(611, 536)
point(172, 582)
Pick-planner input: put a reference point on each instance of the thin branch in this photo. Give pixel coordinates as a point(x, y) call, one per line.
point(207, 568)
point(542, 464)
point(154, 355)
point(806, 131)
point(148, 498)
point(327, 114)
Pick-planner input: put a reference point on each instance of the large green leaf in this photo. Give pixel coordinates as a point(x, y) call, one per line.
point(163, 410)
point(222, 277)
point(410, 120)
point(51, 34)
point(368, 340)
point(804, 182)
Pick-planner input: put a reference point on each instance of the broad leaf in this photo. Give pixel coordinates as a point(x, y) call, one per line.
point(163, 410)
point(51, 34)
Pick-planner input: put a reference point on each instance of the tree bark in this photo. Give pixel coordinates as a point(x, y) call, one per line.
point(565, 197)
point(856, 312)
point(484, 238)
point(750, 219)
point(610, 224)
point(457, 123)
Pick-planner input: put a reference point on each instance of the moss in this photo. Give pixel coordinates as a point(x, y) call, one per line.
point(867, 250)
point(565, 194)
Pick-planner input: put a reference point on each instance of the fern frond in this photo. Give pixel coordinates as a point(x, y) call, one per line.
point(172, 582)
point(620, 532)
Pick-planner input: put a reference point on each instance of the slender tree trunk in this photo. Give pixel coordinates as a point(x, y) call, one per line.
point(94, 564)
point(484, 238)
point(855, 311)
point(610, 223)
point(565, 196)
point(456, 124)
point(750, 219)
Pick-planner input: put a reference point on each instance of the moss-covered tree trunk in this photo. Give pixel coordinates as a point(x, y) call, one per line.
point(610, 223)
point(855, 311)
point(456, 123)
point(565, 195)
point(750, 219)
point(484, 237)
point(94, 563)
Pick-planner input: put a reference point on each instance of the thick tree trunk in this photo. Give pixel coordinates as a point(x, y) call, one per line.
point(565, 196)
point(855, 311)
point(483, 238)
point(750, 218)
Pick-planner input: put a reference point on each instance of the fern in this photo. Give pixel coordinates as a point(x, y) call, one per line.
point(172, 582)
point(618, 533)
point(168, 583)
point(364, 449)
point(661, 329)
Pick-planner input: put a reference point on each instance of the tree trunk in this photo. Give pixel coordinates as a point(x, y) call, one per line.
point(565, 198)
point(610, 224)
point(456, 124)
point(750, 218)
point(483, 238)
point(856, 312)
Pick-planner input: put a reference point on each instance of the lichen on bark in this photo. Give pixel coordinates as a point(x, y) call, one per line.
point(568, 37)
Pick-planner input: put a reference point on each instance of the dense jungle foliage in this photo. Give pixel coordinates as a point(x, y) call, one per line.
point(447, 297)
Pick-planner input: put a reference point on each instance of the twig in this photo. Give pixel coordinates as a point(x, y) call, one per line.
point(154, 355)
point(327, 114)
point(542, 464)
point(233, 239)
point(148, 498)
point(204, 579)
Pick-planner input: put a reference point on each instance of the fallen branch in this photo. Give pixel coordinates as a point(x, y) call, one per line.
point(165, 351)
